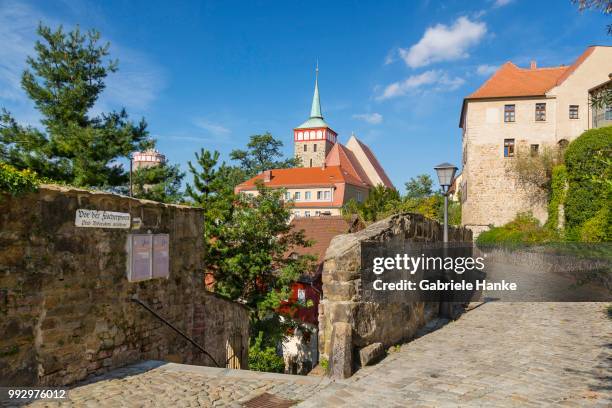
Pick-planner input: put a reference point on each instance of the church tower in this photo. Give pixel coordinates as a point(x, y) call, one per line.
point(314, 138)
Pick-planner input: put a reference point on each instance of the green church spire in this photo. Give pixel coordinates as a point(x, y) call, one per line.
point(315, 111)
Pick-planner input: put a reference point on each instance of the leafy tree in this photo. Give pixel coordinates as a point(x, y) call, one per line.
point(420, 186)
point(64, 80)
point(262, 153)
point(158, 183)
point(247, 238)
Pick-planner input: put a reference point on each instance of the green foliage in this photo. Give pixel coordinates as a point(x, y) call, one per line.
point(586, 157)
point(64, 80)
point(247, 237)
point(160, 183)
point(420, 186)
point(381, 202)
point(262, 153)
point(598, 228)
point(557, 196)
point(263, 357)
point(324, 363)
point(524, 229)
point(534, 171)
point(16, 182)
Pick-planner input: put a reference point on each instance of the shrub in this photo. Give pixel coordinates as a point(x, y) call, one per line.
point(263, 357)
point(585, 158)
point(557, 196)
point(16, 182)
point(524, 229)
point(598, 228)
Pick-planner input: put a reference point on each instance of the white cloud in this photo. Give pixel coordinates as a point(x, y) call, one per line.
point(435, 79)
point(444, 43)
point(371, 118)
point(214, 128)
point(486, 69)
point(134, 86)
point(502, 3)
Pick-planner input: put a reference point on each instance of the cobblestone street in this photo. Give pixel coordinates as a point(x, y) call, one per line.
point(499, 354)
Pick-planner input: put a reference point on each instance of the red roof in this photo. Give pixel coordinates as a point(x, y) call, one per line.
point(339, 155)
point(379, 169)
point(320, 230)
point(303, 176)
point(510, 80)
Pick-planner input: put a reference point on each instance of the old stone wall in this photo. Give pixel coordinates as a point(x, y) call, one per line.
point(65, 309)
point(342, 307)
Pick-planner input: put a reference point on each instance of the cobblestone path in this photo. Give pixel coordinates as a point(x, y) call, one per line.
point(499, 354)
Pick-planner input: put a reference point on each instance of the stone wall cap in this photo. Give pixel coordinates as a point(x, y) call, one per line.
point(81, 190)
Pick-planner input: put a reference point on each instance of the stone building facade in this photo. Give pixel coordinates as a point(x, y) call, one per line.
point(66, 309)
point(521, 109)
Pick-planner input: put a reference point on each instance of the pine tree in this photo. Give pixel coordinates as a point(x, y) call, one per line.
point(64, 80)
point(158, 183)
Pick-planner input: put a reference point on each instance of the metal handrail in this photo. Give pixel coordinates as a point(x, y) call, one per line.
point(189, 339)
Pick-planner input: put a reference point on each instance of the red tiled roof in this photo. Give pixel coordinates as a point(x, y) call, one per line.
point(512, 81)
point(303, 176)
point(379, 169)
point(320, 230)
point(339, 155)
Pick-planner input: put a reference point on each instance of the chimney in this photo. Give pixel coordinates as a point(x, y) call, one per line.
point(534, 65)
point(267, 176)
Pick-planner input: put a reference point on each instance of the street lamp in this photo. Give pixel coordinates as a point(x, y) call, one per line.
point(446, 174)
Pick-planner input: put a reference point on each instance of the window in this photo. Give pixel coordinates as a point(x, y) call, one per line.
point(509, 113)
point(319, 195)
point(317, 213)
point(301, 295)
point(305, 147)
point(540, 112)
point(297, 196)
point(307, 196)
point(534, 149)
point(508, 147)
point(608, 113)
point(326, 195)
point(287, 196)
point(296, 213)
point(314, 147)
point(306, 213)
point(573, 111)
point(310, 162)
point(359, 196)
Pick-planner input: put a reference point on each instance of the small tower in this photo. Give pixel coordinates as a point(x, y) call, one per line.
point(147, 158)
point(314, 138)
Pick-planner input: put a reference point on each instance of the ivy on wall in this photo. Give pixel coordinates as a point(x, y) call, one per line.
point(558, 187)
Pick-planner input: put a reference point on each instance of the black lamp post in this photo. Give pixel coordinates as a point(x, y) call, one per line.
point(446, 174)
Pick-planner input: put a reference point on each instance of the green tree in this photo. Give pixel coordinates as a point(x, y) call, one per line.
point(420, 186)
point(158, 183)
point(263, 153)
point(64, 80)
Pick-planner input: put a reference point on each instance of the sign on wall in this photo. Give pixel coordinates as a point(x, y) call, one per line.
point(148, 256)
point(101, 219)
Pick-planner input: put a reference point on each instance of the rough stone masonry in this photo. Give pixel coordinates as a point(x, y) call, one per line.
point(346, 322)
point(65, 309)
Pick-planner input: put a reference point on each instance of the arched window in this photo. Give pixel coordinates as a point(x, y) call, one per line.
point(563, 143)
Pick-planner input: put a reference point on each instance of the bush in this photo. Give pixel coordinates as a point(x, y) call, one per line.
point(264, 358)
point(598, 228)
point(524, 229)
point(16, 182)
point(586, 165)
point(557, 196)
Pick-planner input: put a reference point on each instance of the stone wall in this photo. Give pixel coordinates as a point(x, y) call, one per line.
point(342, 312)
point(65, 309)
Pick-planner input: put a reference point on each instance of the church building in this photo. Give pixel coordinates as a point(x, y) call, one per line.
point(331, 174)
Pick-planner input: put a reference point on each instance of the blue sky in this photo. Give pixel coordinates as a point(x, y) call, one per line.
point(209, 74)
